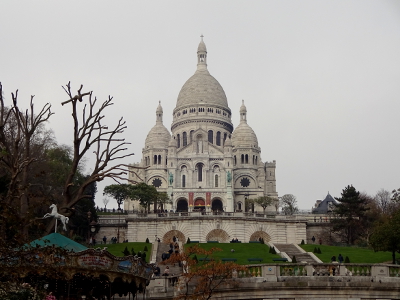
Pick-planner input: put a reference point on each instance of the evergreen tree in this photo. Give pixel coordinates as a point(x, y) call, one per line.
point(126, 251)
point(350, 215)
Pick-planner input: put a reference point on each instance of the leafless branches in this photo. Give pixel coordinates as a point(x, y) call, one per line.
point(90, 133)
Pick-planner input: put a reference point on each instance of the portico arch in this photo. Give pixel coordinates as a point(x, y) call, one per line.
point(217, 205)
point(199, 204)
point(218, 235)
point(260, 234)
point(182, 205)
point(168, 236)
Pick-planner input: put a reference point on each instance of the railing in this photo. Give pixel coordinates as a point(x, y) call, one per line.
point(320, 269)
point(211, 214)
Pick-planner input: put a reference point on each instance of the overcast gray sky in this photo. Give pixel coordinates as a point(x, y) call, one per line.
point(320, 79)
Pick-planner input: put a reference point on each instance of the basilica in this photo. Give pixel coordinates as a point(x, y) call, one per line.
point(204, 163)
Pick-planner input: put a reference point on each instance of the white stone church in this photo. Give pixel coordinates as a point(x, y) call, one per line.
point(204, 163)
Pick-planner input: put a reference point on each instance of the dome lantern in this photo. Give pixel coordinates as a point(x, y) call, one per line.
point(202, 55)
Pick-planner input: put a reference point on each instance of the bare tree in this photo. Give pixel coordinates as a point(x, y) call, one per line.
point(106, 200)
point(90, 133)
point(383, 199)
point(18, 132)
point(289, 204)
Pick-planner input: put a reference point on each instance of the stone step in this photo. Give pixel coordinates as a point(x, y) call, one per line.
point(174, 269)
point(292, 250)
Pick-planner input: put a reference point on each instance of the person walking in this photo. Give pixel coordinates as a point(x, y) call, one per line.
point(340, 258)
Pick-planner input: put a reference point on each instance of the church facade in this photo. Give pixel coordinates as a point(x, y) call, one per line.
point(204, 163)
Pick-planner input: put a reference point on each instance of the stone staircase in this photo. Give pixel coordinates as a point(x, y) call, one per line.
point(173, 269)
point(292, 250)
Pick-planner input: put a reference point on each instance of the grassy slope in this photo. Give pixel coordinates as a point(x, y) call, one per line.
point(355, 254)
point(117, 249)
point(242, 252)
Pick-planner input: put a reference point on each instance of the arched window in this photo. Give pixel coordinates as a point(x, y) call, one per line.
point(218, 141)
point(191, 136)
point(184, 139)
point(155, 160)
point(216, 181)
point(183, 180)
point(256, 160)
point(225, 136)
point(247, 158)
point(210, 136)
point(159, 159)
point(242, 159)
point(199, 168)
point(178, 137)
point(234, 160)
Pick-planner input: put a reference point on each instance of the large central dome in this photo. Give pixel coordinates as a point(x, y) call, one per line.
point(202, 88)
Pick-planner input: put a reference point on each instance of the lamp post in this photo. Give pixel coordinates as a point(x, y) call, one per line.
point(89, 216)
point(119, 219)
point(93, 225)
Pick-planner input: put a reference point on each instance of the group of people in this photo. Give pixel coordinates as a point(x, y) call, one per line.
point(340, 258)
point(173, 248)
point(333, 260)
point(235, 240)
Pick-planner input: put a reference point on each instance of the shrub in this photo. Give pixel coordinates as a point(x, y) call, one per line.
point(302, 242)
point(315, 250)
point(347, 260)
point(319, 250)
point(133, 252)
point(188, 241)
point(294, 259)
point(147, 240)
point(126, 251)
point(273, 251)
point(145, 248)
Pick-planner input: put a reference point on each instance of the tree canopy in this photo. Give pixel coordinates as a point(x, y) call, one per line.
point(144, 193)
point(264, 201)
point(386, 235)
point(350, 215)
point(288, 203)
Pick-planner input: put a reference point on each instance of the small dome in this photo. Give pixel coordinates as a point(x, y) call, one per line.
point(158, 137)
point(244, 136)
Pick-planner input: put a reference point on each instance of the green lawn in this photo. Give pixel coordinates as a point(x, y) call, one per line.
point(242, 252)
point(117, 249)
point(355, 254)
